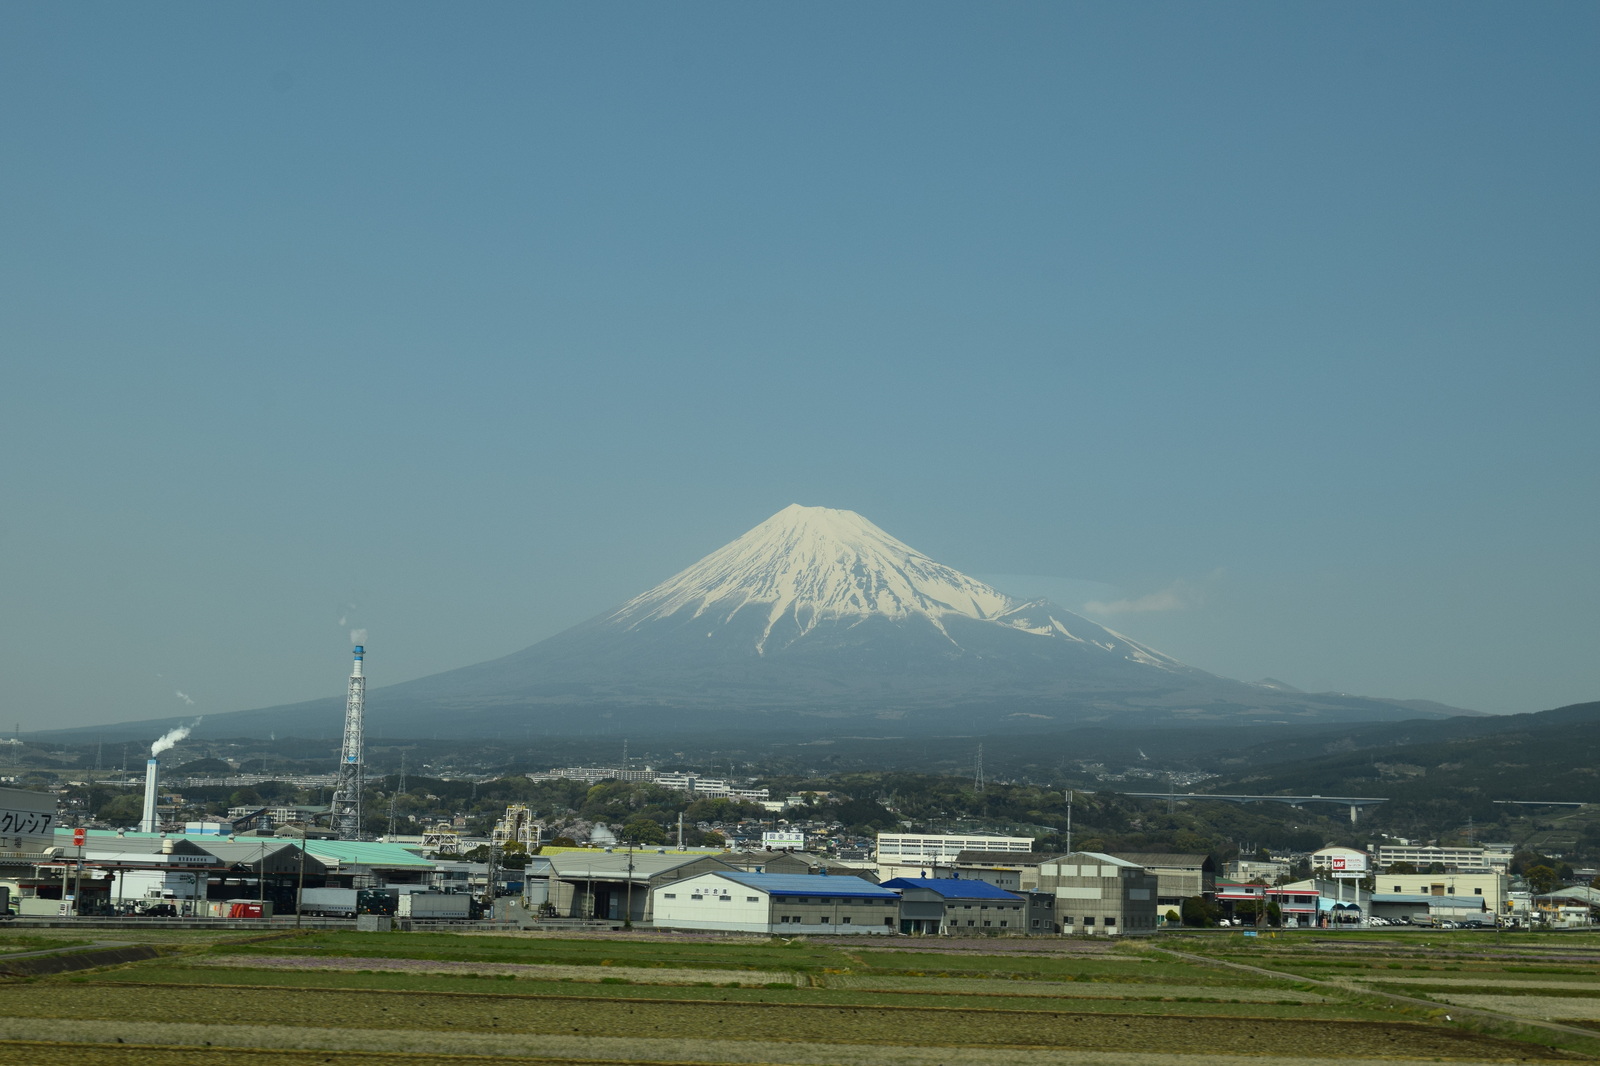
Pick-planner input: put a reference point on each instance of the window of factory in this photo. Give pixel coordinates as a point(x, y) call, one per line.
point(889, 922)
point(1477, 892)
point(824, 919)
point(670, 895)
point(696, 895)
point(752, 899)
point(971, 922)
point(845, 920)
point(1003, 923)
point(987, 922)
point(1110, 921)
point(1088, 922)
point(726, 899)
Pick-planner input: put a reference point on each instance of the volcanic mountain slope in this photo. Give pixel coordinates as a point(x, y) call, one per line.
point(814, 619)
point(820, 609)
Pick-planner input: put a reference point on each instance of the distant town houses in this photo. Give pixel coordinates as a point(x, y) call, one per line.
point(694, 784)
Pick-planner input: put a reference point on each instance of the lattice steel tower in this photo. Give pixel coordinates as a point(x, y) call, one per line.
point(347, 796)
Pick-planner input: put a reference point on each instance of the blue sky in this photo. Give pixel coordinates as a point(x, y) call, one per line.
point(1267, 329)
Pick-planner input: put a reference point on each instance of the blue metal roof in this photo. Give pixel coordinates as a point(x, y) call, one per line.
point(809, 885)
point(954, 887)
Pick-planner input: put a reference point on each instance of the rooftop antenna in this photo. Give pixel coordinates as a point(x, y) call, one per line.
point(347, 792)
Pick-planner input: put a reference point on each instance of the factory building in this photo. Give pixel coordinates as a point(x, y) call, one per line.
point(778, 904)
point(1100, 894)
point(144, 873)
point(1178, 875)
point(958, 906)
point(1490, 886)
point(618, 885)
point(1014, 871)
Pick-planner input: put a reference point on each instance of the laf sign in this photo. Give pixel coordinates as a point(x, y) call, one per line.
point(78, 835)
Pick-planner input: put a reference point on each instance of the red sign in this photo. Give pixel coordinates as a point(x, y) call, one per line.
point(77, 836)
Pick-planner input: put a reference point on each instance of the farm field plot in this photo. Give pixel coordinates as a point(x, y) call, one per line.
point(408, 998)
point(1551, 1008)
point(11, 944)
point(660, 975)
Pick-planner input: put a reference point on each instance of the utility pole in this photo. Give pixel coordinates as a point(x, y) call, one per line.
point(627, 916)
point(1069, 821)
point(300, 889)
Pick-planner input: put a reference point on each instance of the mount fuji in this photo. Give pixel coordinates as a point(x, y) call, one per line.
point(818, 621)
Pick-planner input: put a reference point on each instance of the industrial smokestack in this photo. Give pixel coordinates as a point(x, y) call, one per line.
point(347, 793)
point(152, 774)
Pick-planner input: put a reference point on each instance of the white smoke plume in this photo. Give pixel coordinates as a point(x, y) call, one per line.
point(172, 738)
point(358, 636)
point(184, 696)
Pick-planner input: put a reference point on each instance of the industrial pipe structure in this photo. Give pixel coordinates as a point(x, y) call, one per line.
point(347, 794)
point(149, 822)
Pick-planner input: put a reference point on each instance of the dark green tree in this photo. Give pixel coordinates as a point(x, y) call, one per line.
point(643, 831)
point(1541, 878)
point(1200, 912)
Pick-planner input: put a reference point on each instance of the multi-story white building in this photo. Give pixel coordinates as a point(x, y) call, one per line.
point(1485, 857)
point(926, 854)
point(1338, 859)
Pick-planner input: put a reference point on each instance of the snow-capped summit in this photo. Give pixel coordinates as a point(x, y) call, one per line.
point(807, 567)
point(817, 562)
point(808, 564)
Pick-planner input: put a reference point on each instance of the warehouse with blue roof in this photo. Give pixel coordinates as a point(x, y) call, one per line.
point(961, 905)
point(776, 904)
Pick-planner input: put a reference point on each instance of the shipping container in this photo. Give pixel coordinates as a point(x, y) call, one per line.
point(435, 905)
point(329, 902)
